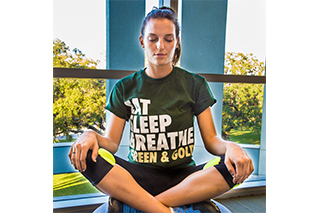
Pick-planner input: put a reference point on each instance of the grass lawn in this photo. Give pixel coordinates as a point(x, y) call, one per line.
point(245, 137)
point(75, 183)
point(71, 184)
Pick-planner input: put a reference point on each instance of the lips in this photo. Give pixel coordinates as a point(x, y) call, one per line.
point(160, 54)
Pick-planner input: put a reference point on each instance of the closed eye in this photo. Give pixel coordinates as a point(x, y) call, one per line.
point(169, 38)
point(153, 38)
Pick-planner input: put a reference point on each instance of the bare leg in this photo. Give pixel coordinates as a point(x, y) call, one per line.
point(119, 184)
point(197, 187)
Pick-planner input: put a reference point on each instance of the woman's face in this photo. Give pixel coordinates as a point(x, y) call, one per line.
point(159, 41)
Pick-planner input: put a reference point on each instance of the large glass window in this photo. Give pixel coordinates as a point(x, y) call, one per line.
point(79, 41)
point(242, 103)
point(242, 112)
point(245, 55)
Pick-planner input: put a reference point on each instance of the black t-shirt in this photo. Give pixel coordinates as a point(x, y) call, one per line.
point(161, 114)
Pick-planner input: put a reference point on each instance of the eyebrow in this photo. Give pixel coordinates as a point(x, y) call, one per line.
point(152, 34)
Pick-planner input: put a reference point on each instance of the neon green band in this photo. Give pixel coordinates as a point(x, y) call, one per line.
point(213, 162)
point(107, 156)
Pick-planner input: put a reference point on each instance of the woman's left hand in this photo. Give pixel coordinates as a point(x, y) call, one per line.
point(243, 163)
point(215, 145)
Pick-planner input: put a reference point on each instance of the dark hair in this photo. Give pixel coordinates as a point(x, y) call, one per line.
point(168, 13)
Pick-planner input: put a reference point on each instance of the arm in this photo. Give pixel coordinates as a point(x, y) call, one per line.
point(91, 140)
point(112, 138)
point(215, 145)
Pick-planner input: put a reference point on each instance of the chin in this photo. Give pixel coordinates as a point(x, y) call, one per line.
point(161, 62)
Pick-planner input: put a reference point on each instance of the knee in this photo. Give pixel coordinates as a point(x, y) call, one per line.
point(97, 170)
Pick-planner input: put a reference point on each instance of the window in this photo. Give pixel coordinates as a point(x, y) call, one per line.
point(245, 55)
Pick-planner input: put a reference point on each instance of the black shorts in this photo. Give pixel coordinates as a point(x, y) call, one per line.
point(152, 180)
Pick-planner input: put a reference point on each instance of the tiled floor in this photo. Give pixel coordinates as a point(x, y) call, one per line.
point(254, 204)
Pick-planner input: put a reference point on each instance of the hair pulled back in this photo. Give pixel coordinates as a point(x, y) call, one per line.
point(170, 14)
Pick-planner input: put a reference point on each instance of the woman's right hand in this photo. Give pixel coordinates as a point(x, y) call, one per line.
point(79, 149)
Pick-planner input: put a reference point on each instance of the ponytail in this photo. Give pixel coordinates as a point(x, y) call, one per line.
point(177, 54)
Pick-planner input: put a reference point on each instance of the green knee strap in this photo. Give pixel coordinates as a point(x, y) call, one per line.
point(107, 156)
point(213, 162)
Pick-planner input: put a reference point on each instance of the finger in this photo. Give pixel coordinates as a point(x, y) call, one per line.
point(244, 169)
point(77, 157)
point(230, 168)
point(71, 154)
point(238, 174)
point(249, 164)
point(83, 158)
point(72, 157)
point(241, 179)
point(95, 152)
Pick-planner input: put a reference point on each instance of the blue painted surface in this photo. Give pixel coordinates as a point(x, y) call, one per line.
point(203, 35)
point(124, 20)
point(61, 162)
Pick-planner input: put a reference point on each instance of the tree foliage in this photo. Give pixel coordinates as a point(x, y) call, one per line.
point(242, 103)
point(63, 57)
point(77, 103)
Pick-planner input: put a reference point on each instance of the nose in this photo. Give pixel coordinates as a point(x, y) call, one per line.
point(160, 44)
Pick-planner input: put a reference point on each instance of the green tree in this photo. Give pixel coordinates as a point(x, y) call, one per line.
point(242, 103)
point(77, 103)
point(63, 57)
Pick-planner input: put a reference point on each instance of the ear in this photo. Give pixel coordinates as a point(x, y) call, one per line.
point(141, 41)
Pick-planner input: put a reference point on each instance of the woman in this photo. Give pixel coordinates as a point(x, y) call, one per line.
point(160, 102)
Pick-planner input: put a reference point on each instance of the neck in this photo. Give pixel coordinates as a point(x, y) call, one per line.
point(155, 71)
